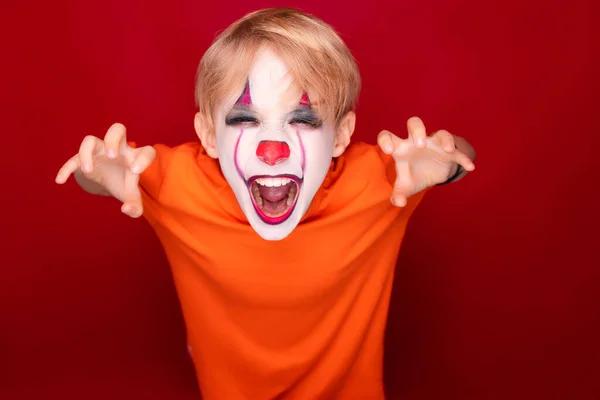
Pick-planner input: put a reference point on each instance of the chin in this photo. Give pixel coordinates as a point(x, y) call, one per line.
point(274, 213)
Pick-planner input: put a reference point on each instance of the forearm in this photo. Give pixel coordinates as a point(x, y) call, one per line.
point(89, 185)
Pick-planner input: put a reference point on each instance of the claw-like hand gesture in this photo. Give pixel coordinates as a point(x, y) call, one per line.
point(422, 161)
point(110, 167)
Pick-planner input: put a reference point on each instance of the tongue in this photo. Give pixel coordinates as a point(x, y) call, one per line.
point(275, 208)
point(275, 193)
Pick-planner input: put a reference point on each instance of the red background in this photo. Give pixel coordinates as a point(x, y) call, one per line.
point(497, 291)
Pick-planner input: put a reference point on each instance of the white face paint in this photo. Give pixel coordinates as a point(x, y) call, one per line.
point(273, 149)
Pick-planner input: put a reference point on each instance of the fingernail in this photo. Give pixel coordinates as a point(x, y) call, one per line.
point(420, 142)
point(135, 169)
point(87, 168)
point(387, 148)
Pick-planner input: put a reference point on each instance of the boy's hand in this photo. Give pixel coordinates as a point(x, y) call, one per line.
point(421, 161)
point(110, 167)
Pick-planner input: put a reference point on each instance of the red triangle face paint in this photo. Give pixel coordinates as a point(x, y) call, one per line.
point(304, 101)
point(245, 98)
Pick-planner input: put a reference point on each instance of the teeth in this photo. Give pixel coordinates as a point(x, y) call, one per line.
point(256, 195)
point(291, 195)
point(273, 182)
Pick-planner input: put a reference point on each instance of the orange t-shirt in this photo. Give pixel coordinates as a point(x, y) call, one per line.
point(300, 318)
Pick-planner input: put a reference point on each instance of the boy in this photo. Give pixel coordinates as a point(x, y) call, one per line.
point(280, 233)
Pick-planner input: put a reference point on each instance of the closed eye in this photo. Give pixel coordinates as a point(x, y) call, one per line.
point(240, 119)
point(305, 117)
point(308, 122)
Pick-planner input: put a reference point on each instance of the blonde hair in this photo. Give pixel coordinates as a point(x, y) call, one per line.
point(318, 59)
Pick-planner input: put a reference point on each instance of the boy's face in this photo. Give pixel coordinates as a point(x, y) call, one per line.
point(273, 148)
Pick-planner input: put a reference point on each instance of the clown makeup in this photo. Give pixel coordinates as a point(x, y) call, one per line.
point(273, 148)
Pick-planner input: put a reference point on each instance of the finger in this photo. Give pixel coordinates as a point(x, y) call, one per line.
point(464, 161)
point(115, 135)
point(416, 131)
point(133, 209)
point(132, 203)
point(143, 159)
point(385, 140)
point(446, 141)
point(399, 199)
point(88, 148)
point(400, 194)
point(402, 185)
point(67, 169)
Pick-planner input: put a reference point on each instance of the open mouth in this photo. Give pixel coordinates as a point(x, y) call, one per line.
point(274, 197)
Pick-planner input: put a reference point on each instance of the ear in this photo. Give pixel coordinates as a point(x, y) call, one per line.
point(344, 132)
point(206, 135)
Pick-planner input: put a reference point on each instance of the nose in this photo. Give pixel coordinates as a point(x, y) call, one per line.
point(272, 152)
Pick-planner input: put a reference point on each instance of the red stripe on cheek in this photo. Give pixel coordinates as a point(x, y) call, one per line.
point(302, 156)
point(235, 155)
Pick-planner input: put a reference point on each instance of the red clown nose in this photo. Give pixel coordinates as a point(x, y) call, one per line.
point(271, 152)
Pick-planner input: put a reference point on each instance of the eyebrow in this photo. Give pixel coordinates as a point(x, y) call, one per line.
point(304, 111)
point(242, 107)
